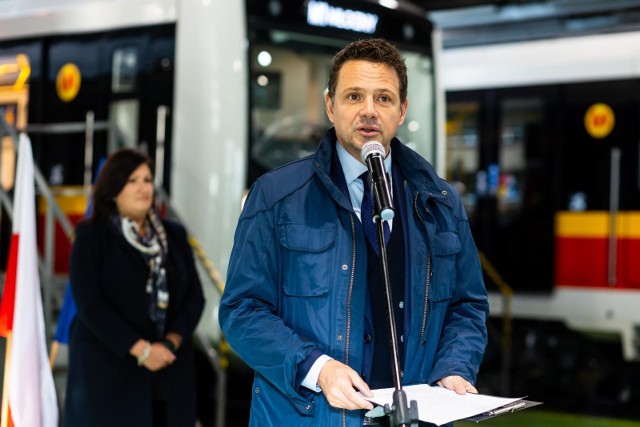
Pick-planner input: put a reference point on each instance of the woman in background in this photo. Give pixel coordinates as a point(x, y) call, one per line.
point(139, 299)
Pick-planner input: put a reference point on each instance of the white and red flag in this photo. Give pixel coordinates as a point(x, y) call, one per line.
point(29, 395)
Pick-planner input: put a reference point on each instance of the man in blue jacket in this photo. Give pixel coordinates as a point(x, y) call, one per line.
point(304, 305)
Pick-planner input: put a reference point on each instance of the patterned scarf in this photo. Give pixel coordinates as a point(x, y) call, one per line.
point(153, 248)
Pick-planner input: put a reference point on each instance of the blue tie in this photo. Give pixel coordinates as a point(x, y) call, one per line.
point(366, 216)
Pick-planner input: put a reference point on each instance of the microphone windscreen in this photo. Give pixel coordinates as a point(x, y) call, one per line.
point(371, 147)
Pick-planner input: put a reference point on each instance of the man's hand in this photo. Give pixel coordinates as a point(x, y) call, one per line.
point(457, 384)
point(339, 383)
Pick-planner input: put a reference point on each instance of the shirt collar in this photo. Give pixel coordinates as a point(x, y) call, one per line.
point(352, 168)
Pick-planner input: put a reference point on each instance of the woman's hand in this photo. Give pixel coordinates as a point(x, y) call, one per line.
point(159, 357)
point(153, 356)
point(176, 339)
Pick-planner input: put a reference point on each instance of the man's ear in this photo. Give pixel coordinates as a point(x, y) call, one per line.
point(403, 111)
point(328, 103)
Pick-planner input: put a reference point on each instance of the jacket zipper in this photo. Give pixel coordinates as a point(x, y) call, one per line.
point(423, 338)
point(353, 270)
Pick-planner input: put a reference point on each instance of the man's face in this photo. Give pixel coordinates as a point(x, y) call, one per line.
point(367, 105)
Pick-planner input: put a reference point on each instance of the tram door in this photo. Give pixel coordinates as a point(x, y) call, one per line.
point(500, 156)
point(80, 97)
point(119, 83)
point(598, 226)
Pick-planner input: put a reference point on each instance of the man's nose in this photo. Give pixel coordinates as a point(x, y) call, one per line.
point(369, 107)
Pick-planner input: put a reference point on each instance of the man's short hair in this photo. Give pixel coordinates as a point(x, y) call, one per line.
point(373, 50)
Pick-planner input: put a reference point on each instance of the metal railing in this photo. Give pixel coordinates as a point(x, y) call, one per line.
point(507, 328)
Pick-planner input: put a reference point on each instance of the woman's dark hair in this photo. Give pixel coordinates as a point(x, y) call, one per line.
point(373, 50)
point(113, 177)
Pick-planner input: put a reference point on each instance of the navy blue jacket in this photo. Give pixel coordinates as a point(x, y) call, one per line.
point(297, 282)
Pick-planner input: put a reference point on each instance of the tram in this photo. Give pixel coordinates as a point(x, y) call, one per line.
point(543, 144)
point(216, 92)
point(231, 93)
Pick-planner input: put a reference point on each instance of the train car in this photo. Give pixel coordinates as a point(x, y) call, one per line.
point(543, 143)
point(216, 92)
point(83, 78)
point(216, 101)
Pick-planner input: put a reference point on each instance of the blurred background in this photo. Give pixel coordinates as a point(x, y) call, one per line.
point(531, 109)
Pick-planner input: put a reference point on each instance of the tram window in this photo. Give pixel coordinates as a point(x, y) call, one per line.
point(519, 117)
point(463, 154)
point(124, 69)
point(419, 124)
point(288, 116)
point(266, 90)
point(123, 120)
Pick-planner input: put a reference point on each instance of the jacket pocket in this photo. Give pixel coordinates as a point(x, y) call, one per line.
point(446, 247)
point(307, 258)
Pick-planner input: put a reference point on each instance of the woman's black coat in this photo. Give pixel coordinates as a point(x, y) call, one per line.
point(106, 387)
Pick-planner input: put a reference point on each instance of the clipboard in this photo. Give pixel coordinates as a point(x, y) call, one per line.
point(506, 409)
point(438, 405)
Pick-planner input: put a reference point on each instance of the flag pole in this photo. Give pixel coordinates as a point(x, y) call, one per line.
point(29, 396)
point(5, 386)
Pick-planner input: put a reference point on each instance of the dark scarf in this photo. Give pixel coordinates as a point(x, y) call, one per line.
point(153, 248)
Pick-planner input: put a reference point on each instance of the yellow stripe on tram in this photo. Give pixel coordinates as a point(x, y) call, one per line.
point(595, 224)
point(71, 199)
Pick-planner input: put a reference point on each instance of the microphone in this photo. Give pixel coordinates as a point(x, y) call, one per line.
point(372, 154)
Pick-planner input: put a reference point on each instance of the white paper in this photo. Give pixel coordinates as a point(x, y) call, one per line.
point(439, 405)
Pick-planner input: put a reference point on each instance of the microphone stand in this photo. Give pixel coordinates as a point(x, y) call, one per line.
point(400, 413)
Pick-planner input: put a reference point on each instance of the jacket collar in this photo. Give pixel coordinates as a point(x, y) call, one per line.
point(327, 168)
point(418, 172)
